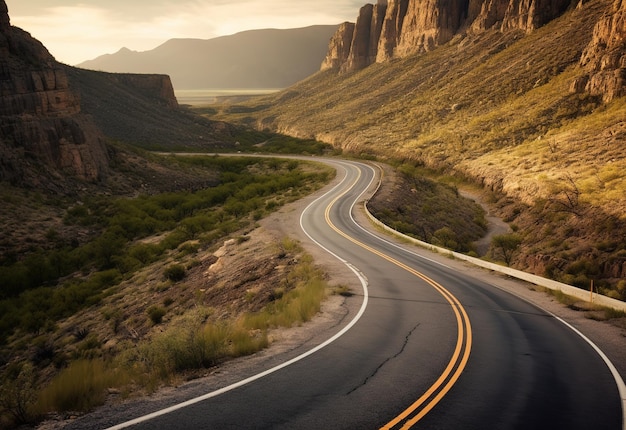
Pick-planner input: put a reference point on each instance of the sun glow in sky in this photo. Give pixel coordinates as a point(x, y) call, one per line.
point(78, 30)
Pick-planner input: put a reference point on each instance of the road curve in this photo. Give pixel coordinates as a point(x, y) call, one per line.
point(430, 347)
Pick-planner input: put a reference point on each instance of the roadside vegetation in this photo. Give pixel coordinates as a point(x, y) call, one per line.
point(192, 342)
point(109, 249)
point(418, 204)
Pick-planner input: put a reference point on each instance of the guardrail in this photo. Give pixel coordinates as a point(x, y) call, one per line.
point(578, 293)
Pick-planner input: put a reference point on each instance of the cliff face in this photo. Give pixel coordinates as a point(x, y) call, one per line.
point(410, 26)
point(430, 23)
point(42, 131)
point(157, 87)
point(392, 29)
point(604, 59)
point(339, 47)
point(361, 45)
point(51, 125)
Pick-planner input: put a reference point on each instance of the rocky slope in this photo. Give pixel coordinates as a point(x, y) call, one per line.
point(142, 110)
point(605, 57)
point(42, 126)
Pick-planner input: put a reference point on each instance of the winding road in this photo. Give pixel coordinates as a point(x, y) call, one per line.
point(428, 347)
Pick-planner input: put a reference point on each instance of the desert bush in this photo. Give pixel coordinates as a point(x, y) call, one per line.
point(80, 387)
point(300, 299)
point(190, 347)
point(175, 272)
point(18, 393)
point(156, 314)
point(505, 246)
point(245, 342)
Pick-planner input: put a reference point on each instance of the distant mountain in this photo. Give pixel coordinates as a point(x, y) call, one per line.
point(250, 59)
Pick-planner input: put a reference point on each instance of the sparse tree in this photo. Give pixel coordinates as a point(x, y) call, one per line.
point(18, 393)
point(566, 197)
point(506, 245)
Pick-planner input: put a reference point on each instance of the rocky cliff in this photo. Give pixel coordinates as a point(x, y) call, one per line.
point(54, 118)
point(339, 47)
point(392, 29)
point(42, 130)
point(604, 59)
point(157, 87)
point(398, 28)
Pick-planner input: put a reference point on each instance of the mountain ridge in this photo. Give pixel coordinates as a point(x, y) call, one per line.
point(267, 58)
point(398, 28)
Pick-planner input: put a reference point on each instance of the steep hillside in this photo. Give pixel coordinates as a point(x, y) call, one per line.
point(251, 59)
point(142, 110)
point(43, 130)
point(517, 109)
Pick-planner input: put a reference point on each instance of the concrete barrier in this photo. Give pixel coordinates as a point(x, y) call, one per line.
point(578, 293)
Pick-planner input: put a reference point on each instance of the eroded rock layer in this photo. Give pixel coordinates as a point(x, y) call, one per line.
point(42, 130)
point(605, 57)
point(397, 28)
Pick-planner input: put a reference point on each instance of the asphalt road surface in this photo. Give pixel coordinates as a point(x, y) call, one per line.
point(430, 348)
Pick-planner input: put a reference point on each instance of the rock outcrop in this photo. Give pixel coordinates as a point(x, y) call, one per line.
point(430, 23)
point(43, 134)
point(361, 45)
point(397, 28)
point(392, 29)
point(604, 59)
point(158, 87)
point(339, 47)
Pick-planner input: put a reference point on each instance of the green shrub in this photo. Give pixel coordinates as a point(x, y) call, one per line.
point(18, 393)
point(156, 314)
point(505, 245)
point(175, 272)
point(185, 348)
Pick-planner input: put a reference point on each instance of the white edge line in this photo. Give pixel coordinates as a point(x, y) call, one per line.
point(621, 386)
point(619, 381)
point(280, 366)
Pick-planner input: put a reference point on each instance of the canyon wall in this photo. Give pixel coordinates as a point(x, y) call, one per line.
point(604, 59)
point(397, 28)
point(42, 132)
point(339, 47)
point(47, 137)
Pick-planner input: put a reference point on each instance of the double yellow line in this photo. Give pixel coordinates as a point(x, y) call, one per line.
point(416, 411)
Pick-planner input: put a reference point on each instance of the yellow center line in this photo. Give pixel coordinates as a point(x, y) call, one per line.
point(464, 335)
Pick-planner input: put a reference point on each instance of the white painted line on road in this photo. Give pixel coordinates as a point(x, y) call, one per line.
point(618, 378)
point(253, 378)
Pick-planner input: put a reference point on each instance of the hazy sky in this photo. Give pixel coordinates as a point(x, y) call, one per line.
point(79, 30)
